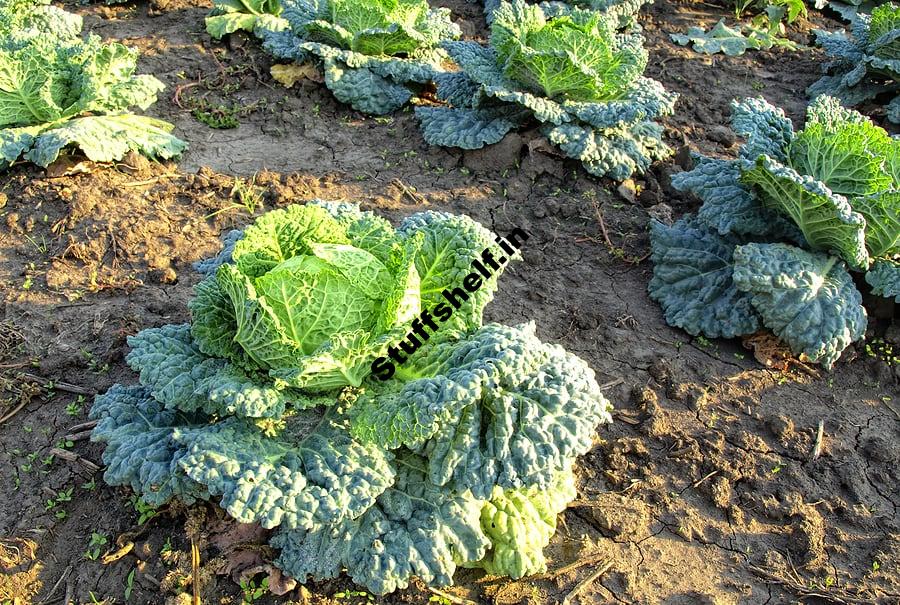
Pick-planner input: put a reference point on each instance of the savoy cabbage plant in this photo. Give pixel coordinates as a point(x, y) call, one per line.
point(572, 71)
point(229, 16)
point(781, 228)
point(865, 63)
point(374, 53)
point(59, 89)
point(463, 458)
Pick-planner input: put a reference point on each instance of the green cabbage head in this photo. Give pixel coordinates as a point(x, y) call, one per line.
point(575, 57)
point(379, 27)
point(313, 294)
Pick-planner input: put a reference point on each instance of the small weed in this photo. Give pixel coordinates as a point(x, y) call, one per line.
point(350, 594)
point(74, 408)
point(95, 547)
point(94, 364)
point(219, 117)
point(703, 342)
point(90, 485)
point(879, 349)
point(246, 196)
point(251, 591)
point(144, 510)
point(129, 585)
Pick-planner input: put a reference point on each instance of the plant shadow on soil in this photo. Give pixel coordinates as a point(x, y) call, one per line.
point(702, 491)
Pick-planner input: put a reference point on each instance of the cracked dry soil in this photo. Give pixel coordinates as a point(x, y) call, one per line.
point(704, 489)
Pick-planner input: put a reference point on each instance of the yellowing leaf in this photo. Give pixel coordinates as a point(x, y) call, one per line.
point(288, 75)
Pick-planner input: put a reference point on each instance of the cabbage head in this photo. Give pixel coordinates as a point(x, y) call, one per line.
point(312, 295)
point(577, 57)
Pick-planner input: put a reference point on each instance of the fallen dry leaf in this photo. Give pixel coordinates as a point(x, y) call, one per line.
point(769, 351)
point(288, 75)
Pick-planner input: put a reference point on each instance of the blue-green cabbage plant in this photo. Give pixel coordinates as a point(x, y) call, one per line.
point(463, 458)
point(572, 71)
point(780, 229)
point(865, 63)
point(59, 89)
point(375, 53)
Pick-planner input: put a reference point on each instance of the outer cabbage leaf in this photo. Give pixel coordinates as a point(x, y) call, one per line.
point(466, 128)
point(520, 523)
point(807, 299)
point(457, 89)
point(364, 90)
point(311, 474)
point(140, 449)
point(692, 280)
point(107, 138)
point(884, 277)
point(449, 245)
point(497, 408)
point(229, 16)
point(414, 528)
point(842, 149)
point(180, 376)
point(729, 207)
point(826, 219)
point(480, 63)
point(764, 127)
point(646, 99)
point(719, 39)
point(613, 152)
point(208, 267)
point(882, 214)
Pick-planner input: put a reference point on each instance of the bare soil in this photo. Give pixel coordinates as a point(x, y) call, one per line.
point(705, 489)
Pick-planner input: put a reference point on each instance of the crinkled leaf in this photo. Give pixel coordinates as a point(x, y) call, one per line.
point(764, 128)
point(498, 407)
point(884, 277)
point(466, 128)
point(140, 450)
point(310, 475)
point(613, 152)
point(520, 523)
point(414, 529)
point(807, 299)
point(882, 214)
point(180, 376)
point(692, 280)
point(729, 207)
point(450, 243)
point(842, 149)
point(107, 138)
point(825, 218)
point(364, 90)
